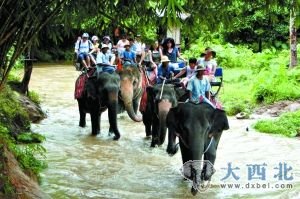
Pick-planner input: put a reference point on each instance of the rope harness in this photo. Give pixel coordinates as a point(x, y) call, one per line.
point(162, 89)
point(207, 148)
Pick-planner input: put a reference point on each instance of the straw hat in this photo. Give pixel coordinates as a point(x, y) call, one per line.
point(104, 46)
point(164, 59)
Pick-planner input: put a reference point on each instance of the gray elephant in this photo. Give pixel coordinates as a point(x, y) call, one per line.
point(130, 91)
point(160, 98)
point(100, 93)
point(199, 128)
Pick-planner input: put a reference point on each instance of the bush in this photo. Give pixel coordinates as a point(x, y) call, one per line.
point(34, 97)
point(238, 56)
point(287, 85)
point(287, 124)
point(10, 107)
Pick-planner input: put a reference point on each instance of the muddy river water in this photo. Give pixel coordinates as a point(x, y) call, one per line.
point(82, 166)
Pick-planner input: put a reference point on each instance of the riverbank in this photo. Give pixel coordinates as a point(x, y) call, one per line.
point(19, 167)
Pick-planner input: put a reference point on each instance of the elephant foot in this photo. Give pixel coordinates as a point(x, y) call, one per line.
point(194, 191)
point(172, 150)
point(148, 137)
point(148, 134)
point(155, 142)
point(95, 133)
point(117, 136)
point(82, 124)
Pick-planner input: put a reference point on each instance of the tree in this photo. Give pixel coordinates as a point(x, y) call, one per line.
point(22, 21)
point(293, 34)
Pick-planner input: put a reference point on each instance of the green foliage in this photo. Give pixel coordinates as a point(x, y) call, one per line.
point(25, 155)
point(10, 108)
point(34, 97)
point(287, 124)
point(12, 114)
point(29, 137)
point(287, 85)
point(236, 91)
point(232, 56)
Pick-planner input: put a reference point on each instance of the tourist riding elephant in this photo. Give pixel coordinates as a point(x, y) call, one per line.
point(100, 93)
point(160, 98)
point(199, 128)
point(130, 91)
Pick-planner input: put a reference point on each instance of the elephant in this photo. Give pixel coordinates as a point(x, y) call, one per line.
point(160, 98)
point(130, 91)
point(199, 128)
point(100, 93)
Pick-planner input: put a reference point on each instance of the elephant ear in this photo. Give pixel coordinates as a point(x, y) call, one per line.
point(219, 121)
point(90, 87)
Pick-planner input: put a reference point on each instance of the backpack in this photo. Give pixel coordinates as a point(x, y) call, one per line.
point(89, 42)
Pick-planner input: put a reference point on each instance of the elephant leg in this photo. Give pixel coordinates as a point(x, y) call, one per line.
point(155, 129)
point(110, 131)
point(95, 121)
point(112, 117)
point(185, 152)
point(82, 114)
point(210, 156)
point(147, 123)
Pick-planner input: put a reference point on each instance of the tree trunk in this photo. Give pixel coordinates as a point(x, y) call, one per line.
point(27, 73)
point(293, 35)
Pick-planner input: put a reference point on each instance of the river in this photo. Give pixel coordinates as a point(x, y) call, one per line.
point(82, 166)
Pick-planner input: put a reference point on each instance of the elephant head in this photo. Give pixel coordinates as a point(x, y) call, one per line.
point(163, 98)
point(131, 91)
point(101, 93)
point(194, 125)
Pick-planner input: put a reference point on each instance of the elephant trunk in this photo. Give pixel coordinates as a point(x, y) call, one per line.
point(163, 107)
point(131, 113)
point(127, 98)
point(129, 108)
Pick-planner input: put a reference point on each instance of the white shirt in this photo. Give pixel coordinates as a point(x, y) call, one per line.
point(190, 72)
point(139, 47)
point(209, 65)
point(121, 45)
point(83, 47)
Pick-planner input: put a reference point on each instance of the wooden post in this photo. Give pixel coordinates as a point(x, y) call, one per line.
point(28, 64)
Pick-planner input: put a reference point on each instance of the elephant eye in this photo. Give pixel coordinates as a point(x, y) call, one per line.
point(134, 83)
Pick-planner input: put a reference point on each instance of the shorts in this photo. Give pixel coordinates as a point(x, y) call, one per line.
point(82, 56)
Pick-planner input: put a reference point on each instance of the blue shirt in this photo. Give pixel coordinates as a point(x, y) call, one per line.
point(103, 58)
point(173, 55)
point(198, 87)
point(164, 72)
point(129, 55)
point(133, 48)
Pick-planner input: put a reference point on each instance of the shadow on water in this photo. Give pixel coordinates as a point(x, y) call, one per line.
point(82, 166)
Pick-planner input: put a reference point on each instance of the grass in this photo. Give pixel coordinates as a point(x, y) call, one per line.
point(236, 92)
point(288, 124)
